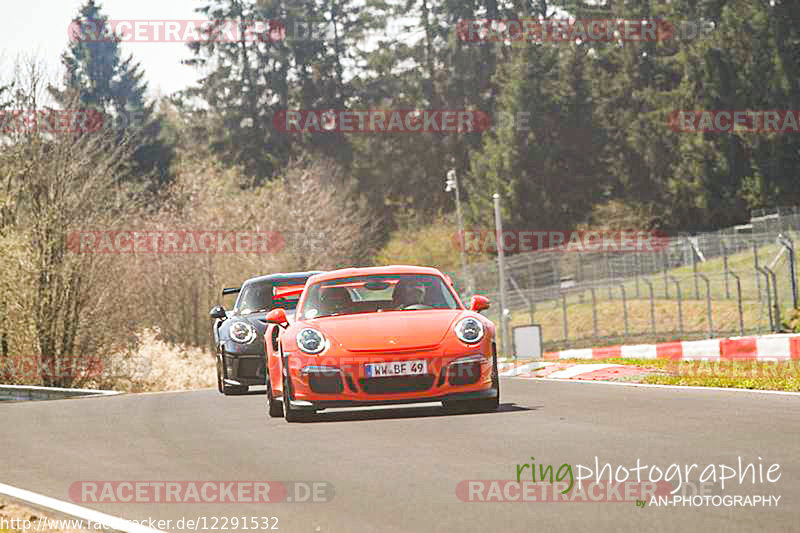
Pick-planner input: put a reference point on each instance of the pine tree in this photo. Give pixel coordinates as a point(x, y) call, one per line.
point(102, 80)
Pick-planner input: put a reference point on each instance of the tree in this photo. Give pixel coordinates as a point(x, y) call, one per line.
point(99, 78)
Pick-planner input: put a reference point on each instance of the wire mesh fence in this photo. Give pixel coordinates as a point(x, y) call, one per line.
point(737, 281)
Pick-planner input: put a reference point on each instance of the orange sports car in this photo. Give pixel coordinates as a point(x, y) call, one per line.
point(381, 335)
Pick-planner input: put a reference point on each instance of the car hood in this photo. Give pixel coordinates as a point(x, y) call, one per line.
point(388, 331)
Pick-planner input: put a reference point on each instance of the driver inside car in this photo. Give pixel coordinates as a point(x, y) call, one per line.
point(334, 300)
point(408, 293)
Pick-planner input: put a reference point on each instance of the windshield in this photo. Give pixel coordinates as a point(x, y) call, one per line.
point(265, 296)
point(377, 293)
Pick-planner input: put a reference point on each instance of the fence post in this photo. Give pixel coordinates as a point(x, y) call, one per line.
point(666, 275)
point(638, 268)
point(680, 309)
point(624, 309)
point(769, 297)
point(725, 266)
point(709, 311)
point(775, 298)
point(758, 269)
point(594, 313)
point(564, 314)
point(693, 255)
point(652, 305)
point(787, 243)
point(739, 302)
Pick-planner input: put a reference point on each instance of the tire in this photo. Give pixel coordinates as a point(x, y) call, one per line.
point(274, 407)
point(219, 375)
point(292, 415)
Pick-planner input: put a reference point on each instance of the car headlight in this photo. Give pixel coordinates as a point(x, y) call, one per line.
point(242, 332)
point(469, 330)
point(310, 341)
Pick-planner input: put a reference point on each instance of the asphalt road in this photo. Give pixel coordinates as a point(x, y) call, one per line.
point(397, 469)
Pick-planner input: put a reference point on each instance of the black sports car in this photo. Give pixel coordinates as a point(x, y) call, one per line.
point(239, 333)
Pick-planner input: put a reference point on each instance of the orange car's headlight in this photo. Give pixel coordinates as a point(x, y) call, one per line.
point(469, 330)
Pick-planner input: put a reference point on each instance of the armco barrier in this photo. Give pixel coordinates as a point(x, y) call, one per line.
point(780, 347)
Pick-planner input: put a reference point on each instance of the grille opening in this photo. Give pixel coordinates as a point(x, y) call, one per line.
point(326, 382)
point(351, 383)
point(389, 385)
point(464, 374)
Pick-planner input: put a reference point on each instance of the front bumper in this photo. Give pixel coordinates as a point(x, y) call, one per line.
point(319, 382)
point(459, 396)
point(244, 365)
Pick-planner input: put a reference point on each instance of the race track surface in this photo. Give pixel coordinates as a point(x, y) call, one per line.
point(396, 469)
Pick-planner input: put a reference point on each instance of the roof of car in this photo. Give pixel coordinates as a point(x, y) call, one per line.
point(366, 271)
point(281, 276)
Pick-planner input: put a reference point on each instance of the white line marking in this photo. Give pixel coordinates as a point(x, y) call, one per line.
point(95, 517)
point(577, 370)
point(679, 387)
point(59, 389)
point(526, 368)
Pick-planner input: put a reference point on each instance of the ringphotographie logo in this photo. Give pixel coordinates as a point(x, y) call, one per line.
point(536, 30)
point(381, 121)
point(174, 241)
point(727, 121)
point(53, 121)
point(676, 484)
point(513, 241)
point(176, 31)
point(200, 491)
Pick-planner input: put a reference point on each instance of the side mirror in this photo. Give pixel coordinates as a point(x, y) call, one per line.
point(218, 312)
point(478, 303)
point(277, 316)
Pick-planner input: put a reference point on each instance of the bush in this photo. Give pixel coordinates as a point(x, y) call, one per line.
point(791, 323)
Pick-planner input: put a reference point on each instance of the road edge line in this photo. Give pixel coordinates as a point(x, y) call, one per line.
point(70, 509)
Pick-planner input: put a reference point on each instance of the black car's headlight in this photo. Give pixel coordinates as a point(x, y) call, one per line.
point(242, 332)
point(310, 341)
point(469, 330)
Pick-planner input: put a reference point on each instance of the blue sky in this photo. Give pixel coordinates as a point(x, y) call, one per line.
point(39, 28)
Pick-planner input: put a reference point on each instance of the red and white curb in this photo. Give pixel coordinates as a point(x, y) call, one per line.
point(576, 371)
point(780, 347)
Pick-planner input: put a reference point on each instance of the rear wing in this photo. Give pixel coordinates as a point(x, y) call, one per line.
point(231, 290)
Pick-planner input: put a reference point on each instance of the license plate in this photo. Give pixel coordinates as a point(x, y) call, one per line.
point(402, 368)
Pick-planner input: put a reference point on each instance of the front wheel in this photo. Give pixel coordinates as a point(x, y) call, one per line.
point(290, 414)
point(275, 407)
point(219, 375)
